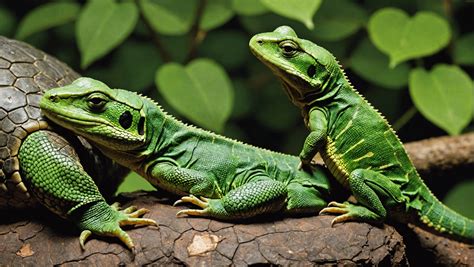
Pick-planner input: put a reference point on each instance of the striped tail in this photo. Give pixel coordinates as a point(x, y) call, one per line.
point(444, 220)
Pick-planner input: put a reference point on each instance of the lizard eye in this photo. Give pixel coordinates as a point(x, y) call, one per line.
point(96, 102)
point(289, 48)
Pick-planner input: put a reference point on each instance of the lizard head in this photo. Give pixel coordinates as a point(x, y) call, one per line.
point(304, 68)
point(111, 118)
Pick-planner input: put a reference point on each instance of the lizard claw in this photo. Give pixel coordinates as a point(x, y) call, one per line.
point(83, 238)
point(201, 202)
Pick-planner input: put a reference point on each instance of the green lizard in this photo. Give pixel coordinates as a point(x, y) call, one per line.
point(226, 179)
point(355, 141)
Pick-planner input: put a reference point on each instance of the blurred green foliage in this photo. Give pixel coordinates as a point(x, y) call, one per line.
point(413, 59)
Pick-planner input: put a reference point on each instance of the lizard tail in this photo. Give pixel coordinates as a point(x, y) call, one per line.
point(444, 220)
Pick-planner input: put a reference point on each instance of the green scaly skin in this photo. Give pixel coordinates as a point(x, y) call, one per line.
point(226, 179)
point(355, 141)
point(58, 181)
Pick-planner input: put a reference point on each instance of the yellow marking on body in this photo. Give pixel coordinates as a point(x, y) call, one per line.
point(334, 163)
point(349, 124)
point(354, 146)
point(463, 227)
point(440, 221)
point(368, 155)
point(386, 166)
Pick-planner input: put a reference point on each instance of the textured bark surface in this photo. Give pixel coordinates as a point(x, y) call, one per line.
point(36, 237)
point(192, 241)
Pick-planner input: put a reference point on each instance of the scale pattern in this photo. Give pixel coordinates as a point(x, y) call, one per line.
point(25, 73)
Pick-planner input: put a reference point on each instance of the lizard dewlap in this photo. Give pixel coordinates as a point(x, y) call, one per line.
point(355, 141)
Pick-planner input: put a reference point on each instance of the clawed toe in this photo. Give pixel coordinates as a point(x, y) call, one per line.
point(201, 202)
point(337, 204)
point(193, 212)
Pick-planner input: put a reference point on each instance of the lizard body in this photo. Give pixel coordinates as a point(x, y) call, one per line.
point(355, 141)
point(232, 180)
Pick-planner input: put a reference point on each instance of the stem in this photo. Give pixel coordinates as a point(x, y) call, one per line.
point(165, 56)
point(406, 117)
point(196, 34)
point(448, 8)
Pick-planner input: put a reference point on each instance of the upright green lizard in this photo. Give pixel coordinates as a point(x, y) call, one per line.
point(232, 180)
point(355, 141)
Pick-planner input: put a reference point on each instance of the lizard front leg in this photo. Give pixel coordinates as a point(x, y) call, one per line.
point(57, 179)
point(372, 190)
point(317, 123)
point(183, 181)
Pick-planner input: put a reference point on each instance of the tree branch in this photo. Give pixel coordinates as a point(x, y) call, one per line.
point(33, 238)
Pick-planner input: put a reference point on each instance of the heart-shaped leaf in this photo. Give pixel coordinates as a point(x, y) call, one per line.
point(47, 16)
point(403, 38)
point(169, 17)
point(200, 91)
point(338, 19)
point(301, 10)
point(216, 13)
point(445, 96)
point(248, 7)
point(103, 25)
point(372, 65)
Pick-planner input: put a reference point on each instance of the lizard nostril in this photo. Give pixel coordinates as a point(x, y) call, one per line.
point(53, 98)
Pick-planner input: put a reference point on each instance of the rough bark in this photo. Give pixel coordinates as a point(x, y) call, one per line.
point(40, 238)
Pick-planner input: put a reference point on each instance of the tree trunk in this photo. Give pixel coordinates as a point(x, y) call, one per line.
point(39, 238)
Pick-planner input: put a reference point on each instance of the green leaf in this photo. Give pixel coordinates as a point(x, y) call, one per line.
point(47, 16)
point(444, 96)
point(201, 91)
point(301, 10)
point(102, 26)
point(248, 7)
point(7, 22)
point(463, 53)
point(461, 197)
point(216, 13)
point(372, 65)
point(169, 17)
point(337, 19)
point(403, 38)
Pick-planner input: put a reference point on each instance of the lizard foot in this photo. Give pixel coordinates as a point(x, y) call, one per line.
point(111, 221)
point(347, 211)
point(201, 202)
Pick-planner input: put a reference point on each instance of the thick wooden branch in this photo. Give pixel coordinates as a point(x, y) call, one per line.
point(40, 238)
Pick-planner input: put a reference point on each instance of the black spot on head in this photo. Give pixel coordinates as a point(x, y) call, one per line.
point(126, 119)
point(311, 71)
point(141, 126)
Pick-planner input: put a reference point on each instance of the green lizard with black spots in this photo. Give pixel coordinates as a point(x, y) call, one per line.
point(226, 178)
point(355, 141)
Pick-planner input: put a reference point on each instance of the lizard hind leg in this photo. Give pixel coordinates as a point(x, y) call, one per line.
point(251, 199)
point(369, 188)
